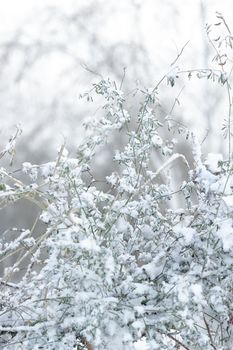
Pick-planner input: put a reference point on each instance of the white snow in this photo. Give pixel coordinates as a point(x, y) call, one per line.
point(212, 162)
point(89, 244)
point(225, 233)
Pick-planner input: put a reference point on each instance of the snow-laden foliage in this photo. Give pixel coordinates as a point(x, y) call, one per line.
point(133, 260)
point(117, 265)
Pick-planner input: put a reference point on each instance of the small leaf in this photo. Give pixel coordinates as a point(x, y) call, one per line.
point(2, 187)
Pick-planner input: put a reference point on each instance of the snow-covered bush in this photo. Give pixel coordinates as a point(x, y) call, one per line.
point(118, 266)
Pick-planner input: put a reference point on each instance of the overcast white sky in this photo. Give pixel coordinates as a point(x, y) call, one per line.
point(14, 12)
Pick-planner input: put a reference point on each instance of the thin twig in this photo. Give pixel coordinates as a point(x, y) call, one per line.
point(180, 53)
point(177, 341)
point(123, 78)
point(209, 334)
